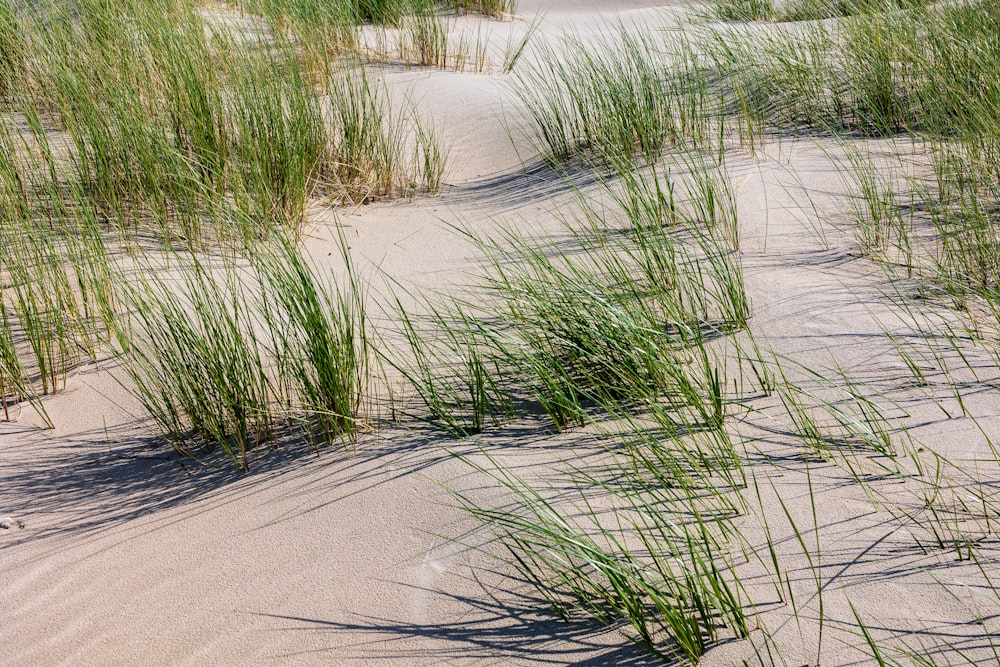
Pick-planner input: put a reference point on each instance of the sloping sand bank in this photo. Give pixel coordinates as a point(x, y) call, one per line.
point(131, 554)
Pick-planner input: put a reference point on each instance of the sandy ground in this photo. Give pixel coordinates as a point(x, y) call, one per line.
point(132, 555)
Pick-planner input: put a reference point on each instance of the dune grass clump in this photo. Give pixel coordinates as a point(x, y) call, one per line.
point(333, 17)
point(144, 109)
point(882, 72)
point(13, 50)
point(619, 98)
point(238, 356)
point(497, 9)
point(655, 561)
point(279, 139)
point(55, 292)
point(925, 74)
point(742, 10)
point(327, 32)
point(616, 326)
point(57, 297)
point(382, 11)
point(375, 151)
point(324, 31)
point(934, 80)
point(808, 79)
point(460, 386)
point(133, 119)
point(320, 343)
point(622, 314)
point(197, 368)
point(803, 10)
point(125, 162)
point(184, 126)
point(425, 38)
point(583, 333)
point(57, 305)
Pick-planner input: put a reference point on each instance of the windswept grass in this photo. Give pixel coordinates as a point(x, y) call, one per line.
point(497, 9)
point(327, 32)
point(619, 327)
point(624, 313)
point(923, 74)
point(54, 305)
point(319, 339)
point(629, 329)
point(196, 366)
point(133, 119)
point(879, 72)
point(612, 98)
point(15, 381)
point(279, 139)
point(13, 50)
point(233, 357)
point(369, 144)
point(655, 559)
point(803, 10)
point(187, 127)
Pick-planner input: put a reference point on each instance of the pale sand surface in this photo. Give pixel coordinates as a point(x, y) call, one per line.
point(132, 555)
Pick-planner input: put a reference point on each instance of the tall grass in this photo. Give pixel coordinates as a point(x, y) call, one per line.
point(44, 302)
point(925, 73)
point(879, 72)
point(56, 295)
point(802, 10)
point(55, 306)
point(138, 118)
point(196, 366)
point(617, 327)
point(638, 563)
point(15, 381)
point(279, 138)
point(613, 98)
point(448, 365)
point(369, 155)
point(181, 125)
point(623, 314)
point(320, 339)
point(425, 38)
point(495, 8)
point(324, 31)
point(13, 50)
point(233, 357)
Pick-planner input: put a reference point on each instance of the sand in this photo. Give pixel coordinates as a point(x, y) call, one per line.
point(130, 554)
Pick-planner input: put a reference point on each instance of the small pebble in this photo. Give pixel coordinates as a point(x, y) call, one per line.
point(7, 522)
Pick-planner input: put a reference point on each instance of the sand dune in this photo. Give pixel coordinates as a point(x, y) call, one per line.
point(131, 554)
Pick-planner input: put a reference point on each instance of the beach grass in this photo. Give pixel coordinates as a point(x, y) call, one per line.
point(235, 355)
point(156, 183)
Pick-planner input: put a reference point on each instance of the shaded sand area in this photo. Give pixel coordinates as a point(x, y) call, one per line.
point(361, 554)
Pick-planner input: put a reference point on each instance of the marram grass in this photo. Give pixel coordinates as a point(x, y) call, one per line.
point(237, 356)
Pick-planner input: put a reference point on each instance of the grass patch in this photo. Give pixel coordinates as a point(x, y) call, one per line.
point(234, 357)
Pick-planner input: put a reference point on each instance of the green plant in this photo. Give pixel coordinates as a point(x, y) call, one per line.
point(669, 586)
point(238, 351)
point(13, 50)
point(425, 38)
point(279, 136)
point(320, 340)
point(497, 9)
point(743, 10)
point(368, 157)
point(609, 100)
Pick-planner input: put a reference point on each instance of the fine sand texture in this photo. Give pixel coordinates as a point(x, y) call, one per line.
point(361, 554)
